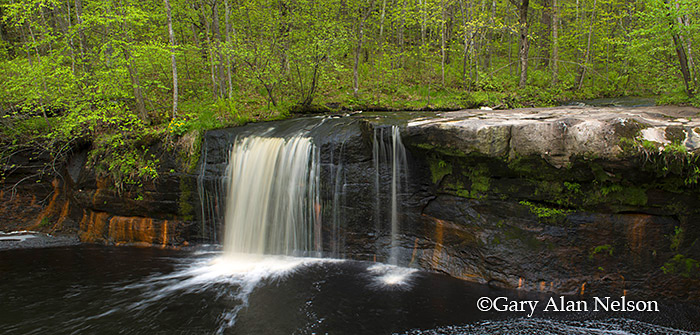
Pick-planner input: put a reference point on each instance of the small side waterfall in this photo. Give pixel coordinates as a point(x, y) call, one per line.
point(273, 205)
point(390, 161)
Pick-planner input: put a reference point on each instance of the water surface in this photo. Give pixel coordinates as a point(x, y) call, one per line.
point(112, 290)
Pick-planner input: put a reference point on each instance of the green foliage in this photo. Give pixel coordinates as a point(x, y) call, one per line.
point(106, 76)
point(479, 176)
point(126, 158)
point(676, 238)
point(682, 266)
point(573, 187)
point(546, 213)
point(439, 169)
point(45, 222)
point(606, 248)
point(673, 161)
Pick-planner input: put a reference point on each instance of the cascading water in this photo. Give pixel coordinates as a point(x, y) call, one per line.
point(390, 161)
point(273, 205)
point(279, 184)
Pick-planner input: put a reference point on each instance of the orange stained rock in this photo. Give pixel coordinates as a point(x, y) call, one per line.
point(131, 230)
point(92, 226)
point(636, 232)
point(439, 232)
point(50, 209)
point(543, 285)
point(583, 288)
point(520, 282)
point(415, 249)
point(164, 238)
point(64, 212)
point(468, 276)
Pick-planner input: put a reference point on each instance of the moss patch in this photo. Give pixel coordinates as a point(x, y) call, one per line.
point(479, 177)
point(439, 169)
point(544, 213)
point(185, 208)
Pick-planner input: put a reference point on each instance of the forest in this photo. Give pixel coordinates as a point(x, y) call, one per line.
point(117, 73)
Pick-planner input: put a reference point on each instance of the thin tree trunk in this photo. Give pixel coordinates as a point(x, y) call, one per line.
point(133, 72)
point(136, 85)
point(688, 42)
point(400, 38)
point(43, 79)
point(465, 51)
point(547, 13)
point(172, 55)
point(2, 26)
point(381, 23)
point(210, 52)
point(680, 52)
point(489, 36)
point(442, 45)
point(683, 60)
point(70, 40)
point(424, 13)
point(217, 43)
point(81, 33)
point(358, 49)
point(555, 42)
point(587, 54)
point(523, 7)
point(228, 51)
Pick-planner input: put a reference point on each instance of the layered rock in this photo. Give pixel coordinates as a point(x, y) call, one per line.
point(566, 200)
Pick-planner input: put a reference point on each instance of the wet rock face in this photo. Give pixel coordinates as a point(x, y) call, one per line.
point(77, 202)
point(566, 201)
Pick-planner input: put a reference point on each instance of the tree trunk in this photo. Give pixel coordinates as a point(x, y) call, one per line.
point(688, 42)
point(547, 13)
point(443, 27)
point(587, 54)
point(358, 49)
point(43, 79)
point(423, 21)
point(217, 43)
point(172, 55)
point(70, 40)
point(133, 72)
point(683, 60)
point(400, 37)
point(81, 33)
point(210, 53)
point(524, 42)
point(489, 37)
point(2, 26)
point(381, 23)
point(136, 85)
point(466, 16)
point(229, 80)
point(555, 42)
point(680, 52)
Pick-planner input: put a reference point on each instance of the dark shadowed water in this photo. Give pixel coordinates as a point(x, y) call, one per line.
point(123, 290)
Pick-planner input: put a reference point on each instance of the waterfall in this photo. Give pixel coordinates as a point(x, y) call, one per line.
point(273, 205)
point(390, 161)
point(277, 185)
